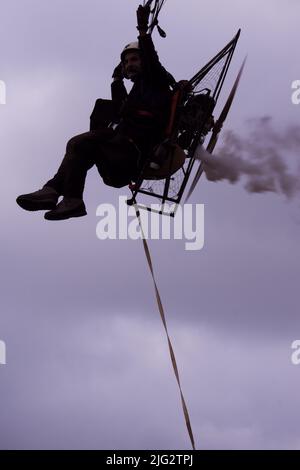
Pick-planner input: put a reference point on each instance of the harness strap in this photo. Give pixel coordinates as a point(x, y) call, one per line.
point(141, 112)
point(183, 87)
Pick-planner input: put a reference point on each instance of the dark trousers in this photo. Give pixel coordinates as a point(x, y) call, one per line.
point(116, 158)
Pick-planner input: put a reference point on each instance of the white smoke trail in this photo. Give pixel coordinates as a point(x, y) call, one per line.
point(260, 158)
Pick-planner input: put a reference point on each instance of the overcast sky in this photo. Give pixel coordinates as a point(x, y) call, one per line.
point(87, 359)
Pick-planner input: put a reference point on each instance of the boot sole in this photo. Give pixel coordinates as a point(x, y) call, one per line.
point(47, 216)
point(29, 205)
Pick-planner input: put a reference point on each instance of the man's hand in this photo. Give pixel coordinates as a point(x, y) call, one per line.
point(143, 14)
point(118, 73)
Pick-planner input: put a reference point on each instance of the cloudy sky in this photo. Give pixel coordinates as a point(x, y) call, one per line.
point(87, 359)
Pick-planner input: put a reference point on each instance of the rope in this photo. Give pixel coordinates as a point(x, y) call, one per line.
point(162, 314)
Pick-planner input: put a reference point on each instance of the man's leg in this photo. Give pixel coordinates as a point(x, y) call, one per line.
point(70, 177)
point(82, 152)
point(80, 156)
point(116, 159)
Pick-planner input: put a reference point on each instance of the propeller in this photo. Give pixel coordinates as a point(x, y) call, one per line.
point(217, 128)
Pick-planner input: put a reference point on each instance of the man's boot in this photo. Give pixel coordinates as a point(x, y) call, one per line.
point(67, 208)
point(43, 199)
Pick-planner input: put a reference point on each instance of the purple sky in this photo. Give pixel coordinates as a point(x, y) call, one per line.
point(87, 359)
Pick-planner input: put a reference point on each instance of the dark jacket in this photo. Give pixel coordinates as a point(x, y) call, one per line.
point(145, 110)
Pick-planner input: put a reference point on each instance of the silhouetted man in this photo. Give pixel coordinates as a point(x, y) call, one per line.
point(136, 126)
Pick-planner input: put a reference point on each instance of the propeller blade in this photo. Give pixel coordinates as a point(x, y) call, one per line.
point(217, 128)
point(218, 125)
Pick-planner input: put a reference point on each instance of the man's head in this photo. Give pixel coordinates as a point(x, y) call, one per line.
point(131, 60)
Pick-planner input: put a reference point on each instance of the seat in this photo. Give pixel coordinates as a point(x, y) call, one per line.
point(174, 160)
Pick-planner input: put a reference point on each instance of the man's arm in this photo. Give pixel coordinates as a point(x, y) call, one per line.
point(150, 60)
point(118, 90)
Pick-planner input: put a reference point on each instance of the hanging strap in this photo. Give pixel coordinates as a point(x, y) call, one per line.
point(162, 314)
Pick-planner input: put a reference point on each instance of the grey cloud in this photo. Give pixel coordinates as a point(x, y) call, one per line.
point(88, 365)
